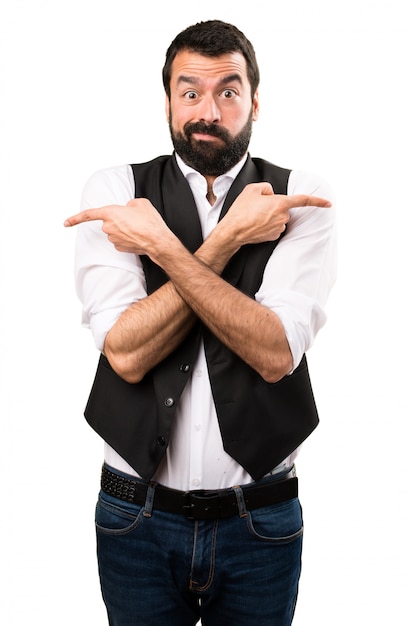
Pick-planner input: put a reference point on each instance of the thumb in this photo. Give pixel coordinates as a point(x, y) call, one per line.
point(266, 189)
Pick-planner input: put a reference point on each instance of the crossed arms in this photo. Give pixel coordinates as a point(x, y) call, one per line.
point(150, 329)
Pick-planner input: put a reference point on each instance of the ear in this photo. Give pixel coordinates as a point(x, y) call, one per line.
point(255, 106)
point(167, 108)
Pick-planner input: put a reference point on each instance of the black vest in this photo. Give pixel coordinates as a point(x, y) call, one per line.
point(261, 423)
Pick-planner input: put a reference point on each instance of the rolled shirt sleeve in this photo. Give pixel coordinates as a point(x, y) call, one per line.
point(302, 269)
point(107, 281)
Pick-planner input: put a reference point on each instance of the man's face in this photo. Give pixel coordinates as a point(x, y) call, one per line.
point(211, 110)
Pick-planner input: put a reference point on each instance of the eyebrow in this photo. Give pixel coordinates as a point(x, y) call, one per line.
point(192, 80)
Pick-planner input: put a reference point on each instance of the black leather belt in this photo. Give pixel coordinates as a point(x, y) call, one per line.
point(202, 504)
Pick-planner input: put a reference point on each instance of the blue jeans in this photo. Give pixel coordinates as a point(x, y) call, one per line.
point(162, 569)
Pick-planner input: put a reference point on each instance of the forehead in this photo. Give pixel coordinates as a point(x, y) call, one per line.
point(191, 64)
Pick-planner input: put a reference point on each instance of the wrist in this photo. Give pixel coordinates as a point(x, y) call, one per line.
point(218, 248)
point(166, 249)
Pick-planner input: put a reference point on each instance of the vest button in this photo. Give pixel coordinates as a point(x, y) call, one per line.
point(161, 441)
point(169, 401)
point(184, 368)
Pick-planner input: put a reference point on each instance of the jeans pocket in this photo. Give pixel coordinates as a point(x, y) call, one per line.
point(116, 518)
point(278, 523)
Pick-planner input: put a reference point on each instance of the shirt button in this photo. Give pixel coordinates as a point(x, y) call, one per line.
point(161, 441)
point(197, 427)
point(198, 372)
point(169, 401)
point(196, 482)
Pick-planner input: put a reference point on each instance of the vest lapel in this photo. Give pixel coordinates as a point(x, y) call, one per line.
point(248, 174)
point(179, 209)
point(252, 172)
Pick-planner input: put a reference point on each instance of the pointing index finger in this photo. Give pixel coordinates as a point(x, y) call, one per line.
point(304, 200)
point(84, 216)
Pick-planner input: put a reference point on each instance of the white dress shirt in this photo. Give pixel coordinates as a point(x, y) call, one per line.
point(296, 283)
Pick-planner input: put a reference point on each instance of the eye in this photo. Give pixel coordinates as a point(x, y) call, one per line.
point(228, 93)
point(190, 95)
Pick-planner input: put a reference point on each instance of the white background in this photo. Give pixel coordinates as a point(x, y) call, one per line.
point(81, 89)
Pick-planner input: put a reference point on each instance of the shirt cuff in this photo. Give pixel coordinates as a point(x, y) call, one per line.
point(301, 316)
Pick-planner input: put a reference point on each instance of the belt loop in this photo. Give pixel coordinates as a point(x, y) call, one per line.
point(148, 507)
point(240, 501)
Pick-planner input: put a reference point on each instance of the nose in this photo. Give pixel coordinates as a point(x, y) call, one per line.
point(208, 110)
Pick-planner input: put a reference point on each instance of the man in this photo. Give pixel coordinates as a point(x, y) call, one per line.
point(203, 278)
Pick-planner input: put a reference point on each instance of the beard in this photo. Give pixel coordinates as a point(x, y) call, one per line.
point(210, 158)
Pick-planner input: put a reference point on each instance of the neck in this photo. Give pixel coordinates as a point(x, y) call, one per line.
point(210, 196)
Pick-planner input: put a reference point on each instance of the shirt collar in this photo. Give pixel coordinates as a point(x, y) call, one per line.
point(195, 179)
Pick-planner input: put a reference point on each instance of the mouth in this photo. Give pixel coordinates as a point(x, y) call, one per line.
point(205, 137)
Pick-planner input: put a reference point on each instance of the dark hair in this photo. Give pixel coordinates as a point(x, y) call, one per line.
point(212, 38)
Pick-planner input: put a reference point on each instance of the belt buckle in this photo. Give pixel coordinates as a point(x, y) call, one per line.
point(200, 496)
point(188, 506)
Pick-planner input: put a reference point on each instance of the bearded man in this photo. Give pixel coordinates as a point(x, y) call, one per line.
point(203, 277)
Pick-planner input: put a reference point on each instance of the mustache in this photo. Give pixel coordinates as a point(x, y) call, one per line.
point(206, 129)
